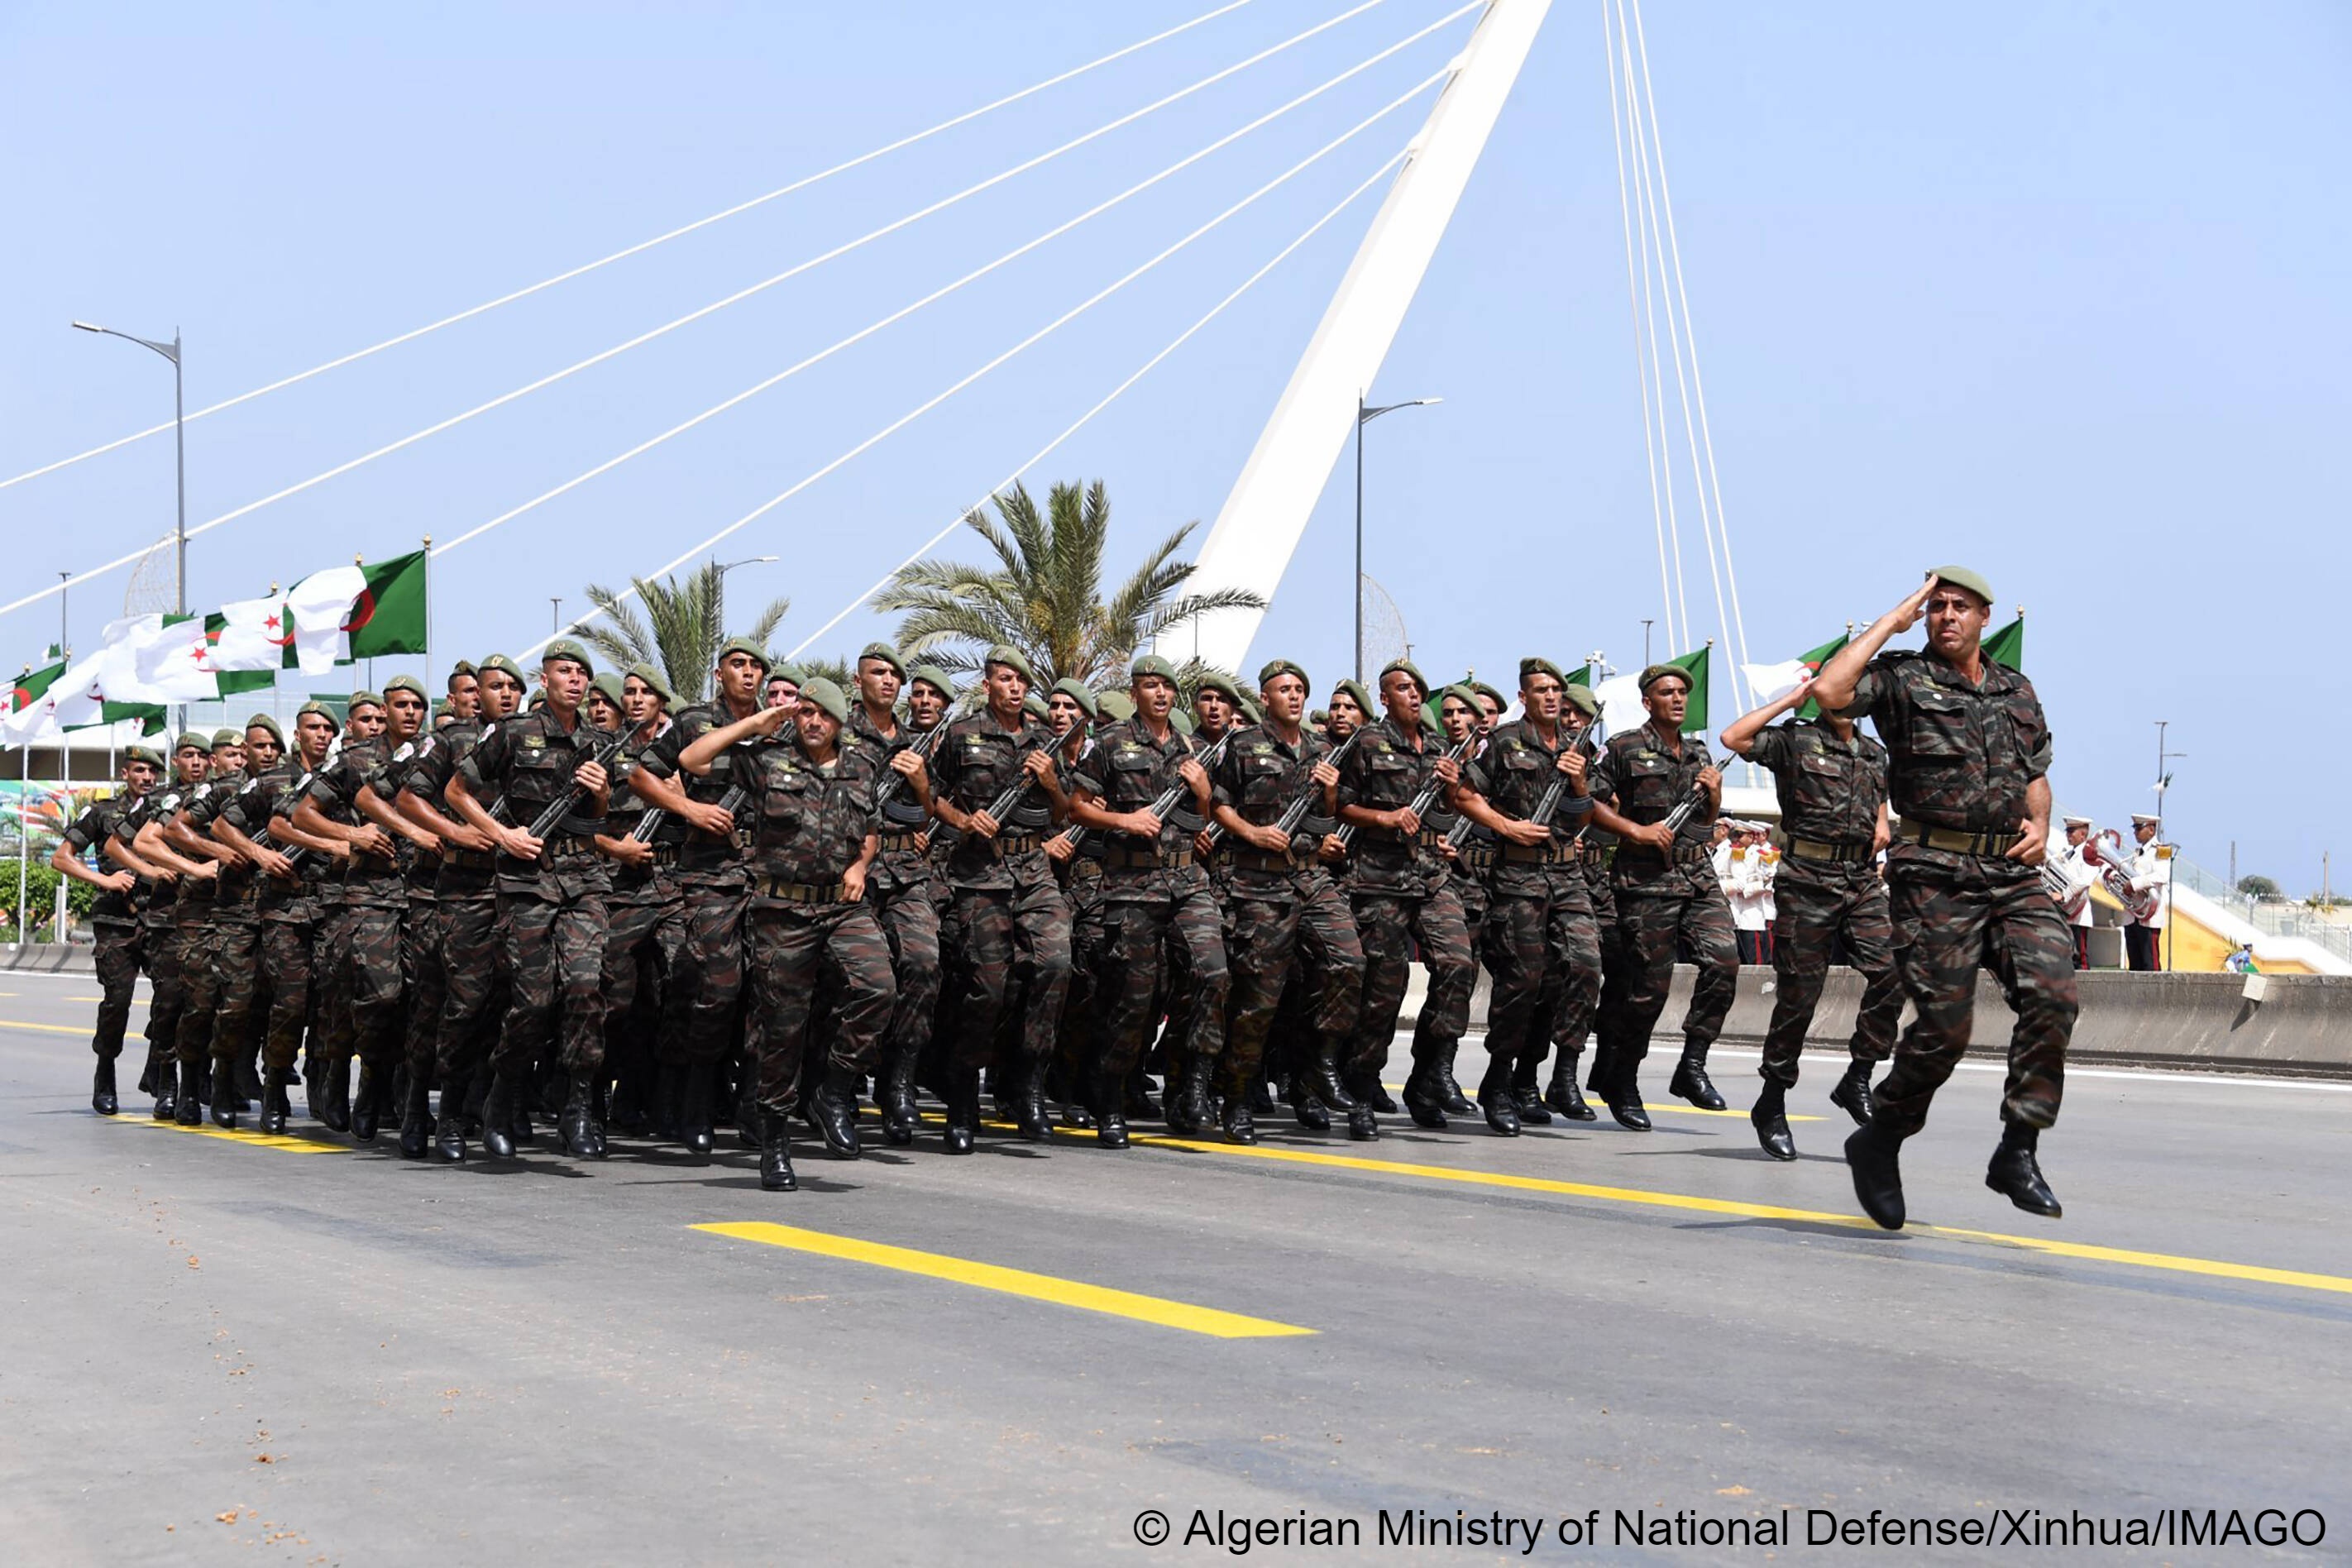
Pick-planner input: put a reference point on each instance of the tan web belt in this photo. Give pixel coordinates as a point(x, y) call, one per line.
point(1123, 859)
point(1837, 854)
point(801, 892)
point(1954, 840)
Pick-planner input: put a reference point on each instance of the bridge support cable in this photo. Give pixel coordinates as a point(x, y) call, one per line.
point(945, 290)
point(1636, 272)
point(737, 298)
point(803, 182)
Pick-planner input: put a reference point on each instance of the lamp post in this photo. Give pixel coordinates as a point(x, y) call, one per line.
point(1365, 414)
point(719, 590)
point(170, 351)
point(2163, 783)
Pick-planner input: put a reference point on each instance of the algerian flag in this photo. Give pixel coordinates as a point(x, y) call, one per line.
point(1695, 665)
point(170, 663)
point(357, 612)
point(250, 634)
point(1769, 682)
point(32, 715)
point(2007, 645)
point(1621, 703)
point(316, 605)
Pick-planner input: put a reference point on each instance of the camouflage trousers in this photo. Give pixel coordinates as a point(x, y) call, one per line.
point(1262, 938)
point(427, 978)
point(476, 983)
point(1005, 929)
point(644, 932)
point(192, 936)
point(1432, 1043)
point(910, 921)
point(1543, 948)
point(1390, 925)
point(700, 1015)
point(241, 1007)
point(167, 996)
point(1818, 907)
point(1653, 925)
point(802, 954)
point(372, 984)
point(333, 1031)
point(1949, 920)
point(1131, 944)
point(122, 949)
point(290, 954)
point(555, 960)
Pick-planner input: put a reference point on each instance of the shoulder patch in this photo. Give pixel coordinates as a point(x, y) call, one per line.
point(489, 730)
point(407, 750)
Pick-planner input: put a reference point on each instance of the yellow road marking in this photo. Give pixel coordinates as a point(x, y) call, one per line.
point(284, 1143)
point(135, 1002)
point(45, 1028)
point(1398, 1089)
point(1011, 1281)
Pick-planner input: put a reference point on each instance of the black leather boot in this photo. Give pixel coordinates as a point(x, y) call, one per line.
point(147, 1079)
point(835, 1102)
point(367, 1114)
point(1621, 1090)
point(1320, 1080)
point(694, 1110)
point(498, 1119)
point(224, 1100)
point(1110, 1113)
point(2016, 1171)
point(274, 1108)
point(899, 1115)
point(416, 1119)
point(335, 1107)
point(188, 1104)
point(1453, 1101)
point(1135, 1097)
point(101, 1087)
point(449, 1128)
point(776, 1130)
point(963, 1109)
point(1690, 1080)
point(576, 1125)
point(1496, 1100)
point(1365, 1085)
point(1029, 1102)
point(166, 1090)
point(1188, 1103)
point(1873, 1156)
point(1772, 1122)
point(1526, 1097)
point(1562, 1094)
point(1306, 1104)
point(1852, 1094)
point(1425, 1098)
point(1240, 1125)
point(1363, 1126)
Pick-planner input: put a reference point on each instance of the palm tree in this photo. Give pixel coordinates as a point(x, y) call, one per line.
point(678, 633)
point(1044, 594)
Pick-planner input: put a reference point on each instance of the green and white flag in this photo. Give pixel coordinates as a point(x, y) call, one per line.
point(2007, 645)
point(170, 662)
point(348, 613)
point(1769, 682)
point(32, 714)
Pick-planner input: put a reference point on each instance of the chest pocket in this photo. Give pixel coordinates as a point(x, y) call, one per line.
point(1262, 779)
point(1649, 782)
point(1388, 778)
point(787, 794)
point(1941, 725)
point(1128, 777)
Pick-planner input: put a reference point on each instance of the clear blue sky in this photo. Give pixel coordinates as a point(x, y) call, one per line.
point(2061, 291)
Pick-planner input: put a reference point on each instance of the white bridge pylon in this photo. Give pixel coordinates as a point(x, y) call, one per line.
point(1251, 543)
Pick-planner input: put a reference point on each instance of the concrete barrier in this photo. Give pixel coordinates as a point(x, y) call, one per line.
point(49, 957)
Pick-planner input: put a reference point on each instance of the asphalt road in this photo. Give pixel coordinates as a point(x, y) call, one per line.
point(216, 1350)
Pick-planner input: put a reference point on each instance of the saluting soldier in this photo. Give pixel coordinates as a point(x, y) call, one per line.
point(899, 890)
point(812, 932)
point(1528, 788)
point(1008, 903)
point(1667, 896)
point(550, 896)
point(1831, 784)
point(1397, 885)
point(105, 826)
point(1285, 905)
point(646, 912)
point(294, 867)
point(1969, 756)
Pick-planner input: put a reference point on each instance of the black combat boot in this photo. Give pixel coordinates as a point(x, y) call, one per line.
point(1365, 1084)
point(1240, 1125)
point(274, 1108)
point(1562, 1094)
point(1029, 1112)
point(1772, 1122)
point(1690, 1080)
point(1319, 1080)
point(963, 1109)
point(1425, 1098)
point(694, 1110)
point(1852, 1094)
point(1110, 1115)
point(148, 1081)
point(417, 1118)
point(897, 1093)
point(835, 1102)
point(225, 1098)
point(166, 1090)
point(334, 1106)
point(775, 1133)
point(101, 1087)
point(1363, 1126)
point(1524, 1098)
point(188, 1104)
point(2016, 1171)
point(576, 1125)
point(367, 1114)
point(248, 1077)
point(498, 1119)
point(1306, 1104)
point(449, 1128)
point(1621, 1090)
point(1495, 1098)
point(1453, 1101)
point(1189, 1111)
point(1873, 1156)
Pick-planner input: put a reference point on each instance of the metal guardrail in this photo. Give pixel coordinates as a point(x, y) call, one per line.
point(2272, 917)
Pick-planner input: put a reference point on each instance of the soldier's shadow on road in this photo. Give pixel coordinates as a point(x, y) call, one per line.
point(1859, 1231)
point(1757, 1156)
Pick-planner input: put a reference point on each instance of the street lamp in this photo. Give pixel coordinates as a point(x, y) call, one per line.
point(1365, 414)
point(170, 351)
point(2163, 783)
point(718, 589)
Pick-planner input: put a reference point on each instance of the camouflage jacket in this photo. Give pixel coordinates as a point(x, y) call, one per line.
point(458, 873)
point(810, 821)
point(1643, 781)
point(100, 821)
point(703, 857)
point(370, 882)
point(1387, 769)
point(1829, 789)
point(1128, 770)
point(1960, 756)
point(1512, 773)
point(977, 760)
point(1259, 776)
point(530, 760)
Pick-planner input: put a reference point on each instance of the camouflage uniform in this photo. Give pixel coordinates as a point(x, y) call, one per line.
point(424, 964)
point(1150, 894)
point(808, 938)
point(192, 920)
point(707, 985)
point(1465, 873)
point(289, 912)
point(899, 893)
point(1008, 902)
point(1961, 759)
point(1399, 891)
point(1829, 889)
point(475, 977)
point(552, 908)
point(121, 950)
point(366, 987)
point(235, 946)
point(647, 914)
point(1664, 898)
point(167, 992)
point(1281, 907)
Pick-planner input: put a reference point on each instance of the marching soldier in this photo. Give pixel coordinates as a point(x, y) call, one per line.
point(1970, 777)
point(239, 984)
point(898, 890)
point(813, 842)
point(1285, 906)
point(1666, 894)
point(327, 1063)
point(193, 918)
point(1467, 848)
point(552, 886)
point(294, 867)
point(106, 826)
point(645, 914)
point(1831, 784)
point(185, 876)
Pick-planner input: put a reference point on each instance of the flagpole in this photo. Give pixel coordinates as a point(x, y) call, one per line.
point(24, 838)
point(429, 633)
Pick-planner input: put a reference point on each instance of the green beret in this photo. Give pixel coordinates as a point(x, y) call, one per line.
point(1116, 706)
point(1078, 692)
point(191, 741)
point(1420, 681)
point(1220, 684)
point(1252, 714)
point(1658, 672)
point(652, 677)
point(1277, 667)
point(610, 685)
point(741, 644)
point(1461, 692)
point(1428, 719)
point(932, 676)
point(147, 754)
point(886, 654)
point(1009, 658)
point(1180, 721)
point(264, 722)
point(407, 683)
point(1581, 698)
point(463, 666)
point(823, 694)
point(567, 648)
point(226, 738)
point(1319, 717)
point(1034, 706)
point(1150, 664)
point(321, 709)
point(790, 672)
point(360, 699)
point(499, 664)
point(1533, 666)
point(441, 710)
point(1961, 577)
point(1363, 698)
